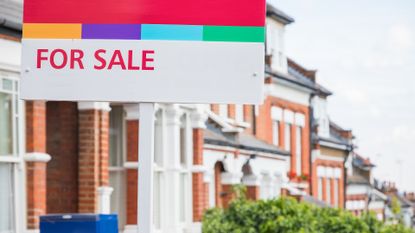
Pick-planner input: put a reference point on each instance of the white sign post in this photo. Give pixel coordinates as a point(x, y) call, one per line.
point(146, 51)
point(145, 168)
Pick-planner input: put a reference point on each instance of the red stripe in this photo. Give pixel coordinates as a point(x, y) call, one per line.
point(188, 12)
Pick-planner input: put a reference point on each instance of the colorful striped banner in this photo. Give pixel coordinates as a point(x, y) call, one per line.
point(145, 32)
point(173, 12)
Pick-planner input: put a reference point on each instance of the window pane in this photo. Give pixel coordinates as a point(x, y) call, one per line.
point(336, 193)
point(320, 188)
point(158, 139)
point(7, 84)
point(239, 113)
point(157, 199)
point(328, 191)
point(6, 198)
point(183, 207)
point(288, 137)
point(276, 133)
point(183, 137)
point(6, 132)
point(298, 148)
point(116, 136)
point(223, 110)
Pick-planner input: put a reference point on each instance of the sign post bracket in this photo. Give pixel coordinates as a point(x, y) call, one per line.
point(145, 168)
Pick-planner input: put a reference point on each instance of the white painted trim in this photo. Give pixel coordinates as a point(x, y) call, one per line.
point(37, 157)
point(277, 113)
point(133, 111)
point(198, 169)
point(288, 116)
point(198, 119)
point(300, 119)
point(104, 106)
point(130, 229)
point(228, 178)
point(32, 231)
point(332, 145)
point(251, 180)
point(131, 165)
point(10, 159)
point(329, 158)
point(222, 122)
point(104, 199)
point(9, 68)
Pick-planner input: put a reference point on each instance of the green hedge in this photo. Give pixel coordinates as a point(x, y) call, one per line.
point(286, 215)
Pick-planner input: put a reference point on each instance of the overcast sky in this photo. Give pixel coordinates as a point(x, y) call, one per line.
point(364, 51)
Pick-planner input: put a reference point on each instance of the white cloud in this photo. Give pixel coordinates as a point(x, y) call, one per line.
point(401, 37)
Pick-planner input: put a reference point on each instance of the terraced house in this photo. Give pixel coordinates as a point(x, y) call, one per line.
point(66, 157)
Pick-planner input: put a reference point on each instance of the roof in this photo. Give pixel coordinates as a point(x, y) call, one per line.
point(357, 179)
point(215, 136)
point(306, 75)
point(335, 136)
point(278, 15)
point(361, 162)
point(11, 14)
point(291, 79)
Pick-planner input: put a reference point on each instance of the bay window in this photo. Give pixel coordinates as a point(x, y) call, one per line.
point(11, 184)
point(276, 133)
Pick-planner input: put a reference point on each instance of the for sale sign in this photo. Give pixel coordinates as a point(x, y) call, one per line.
point(185, 51)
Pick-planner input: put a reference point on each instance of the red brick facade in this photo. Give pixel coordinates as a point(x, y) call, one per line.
point(132, 174)
point(36, 170)
point(62, 145)
point(93, 157)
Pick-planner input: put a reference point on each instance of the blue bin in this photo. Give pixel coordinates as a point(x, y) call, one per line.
point(79, 223)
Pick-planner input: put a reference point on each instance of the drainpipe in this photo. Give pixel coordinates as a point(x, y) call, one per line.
point(311, 120)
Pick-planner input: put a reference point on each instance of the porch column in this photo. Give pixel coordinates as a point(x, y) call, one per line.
point(93, 156)
point(132, 119)
point(172, 159)
point(200, 193)
point(36, 160)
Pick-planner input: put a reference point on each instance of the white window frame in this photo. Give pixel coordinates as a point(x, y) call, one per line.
point(119, 171)
point(287, 137)
point(239, 113)
point(298, 149)
point(336, 193)
point(320, 188)
point(16, 158)
point(186, 170)
point(223, 111)
point(276, 133)
point(328, 190)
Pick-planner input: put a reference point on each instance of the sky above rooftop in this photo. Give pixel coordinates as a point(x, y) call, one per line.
point(364, 52)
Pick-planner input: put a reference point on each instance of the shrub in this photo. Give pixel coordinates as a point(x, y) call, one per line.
point(286, 215)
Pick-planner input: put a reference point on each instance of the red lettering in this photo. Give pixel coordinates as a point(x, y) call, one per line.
point(100, 59)
point(117, 59)
point(130, 61)
point(64, 58)
point(76, 56)
point(40, 58)
point(145, 60)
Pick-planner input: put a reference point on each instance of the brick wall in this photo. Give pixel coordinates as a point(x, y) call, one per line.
point(264, 132)
point(132, 174)
point(200, 194)
point(93, 157)
point(62, 170)
point(341, 184)
point(35, 170)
